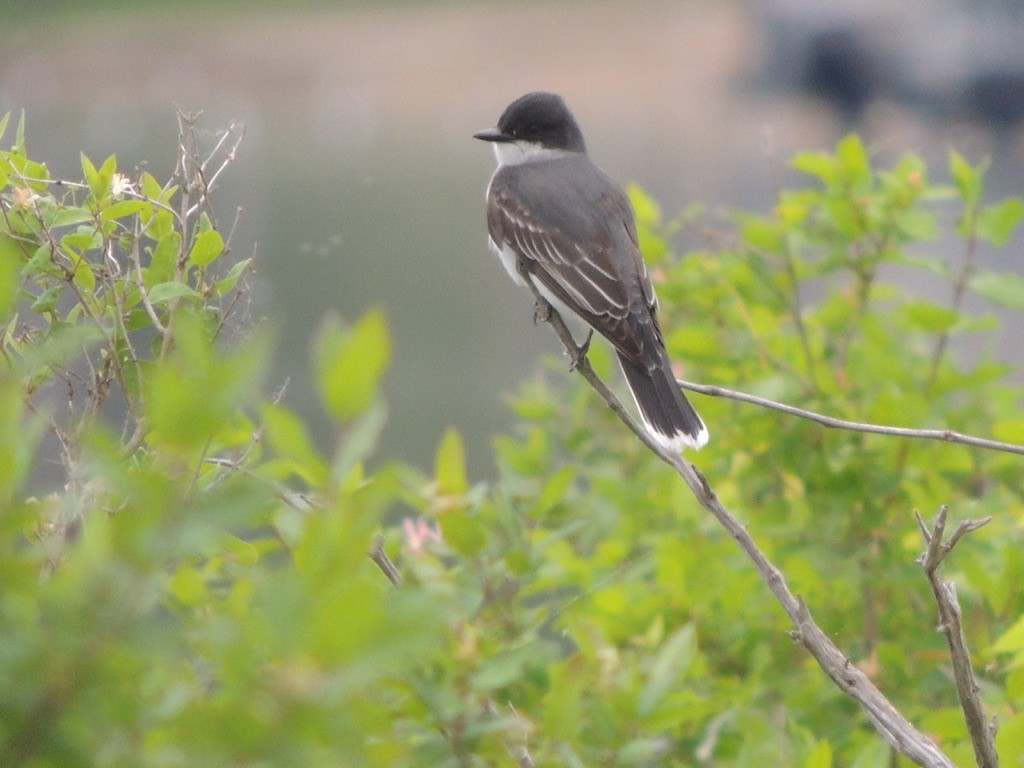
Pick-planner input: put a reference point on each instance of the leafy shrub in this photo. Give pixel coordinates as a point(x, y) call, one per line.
point(196, 590)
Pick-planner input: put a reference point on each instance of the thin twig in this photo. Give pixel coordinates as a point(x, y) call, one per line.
point(238, 464)
point(231, 155)
point(959, 289)
point(140, 283)
point(380, 557)
point(797, 310)
point(300, 502)
point(951, 627)
point(945, 435)
point(888, 721)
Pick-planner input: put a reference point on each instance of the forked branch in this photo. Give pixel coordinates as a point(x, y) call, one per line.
point(982, 734)
point(888, 721)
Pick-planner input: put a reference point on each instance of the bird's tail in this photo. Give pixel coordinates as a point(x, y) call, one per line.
point(667, 414)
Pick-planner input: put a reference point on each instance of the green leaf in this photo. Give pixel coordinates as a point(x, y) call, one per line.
point(450, 465)
point(41, 263)
point(195, 394)
point(821, 756)
point(1009, 430)
point(505, 668)
point(1015, 683)
point(1012, 640)
point(189, 587)
point(464, 532)
point(646, 750)
point(968, 179)
point(918, 224)
point(601, 360)
point(164, 292)
point(19, 136)
point(164, 259)
point(160, 225)
point(124, 208)
point(874, 754)
point(83, 274)
point(207, 247)
point(931, 317)
point(350, 363)
point(855, 163)
point(1004, 288)
point(646, 208)
point(225, 286)
point(82, 240)
point(290, 439)
point(67, 217)
point(820, 164)
point(10, 258)
point(648, 225)
point(946, 723)
point(47, 300)
point(928, 264)
point(361, 438)
point(1010, 738)
point(673, 659)
point(151, 188)
point(763, 233)
point(99, 180)
point(19, 436)
point(555, 489)
point(247, 552)
point(997, 223)
point(563, 703)
point(91, 174)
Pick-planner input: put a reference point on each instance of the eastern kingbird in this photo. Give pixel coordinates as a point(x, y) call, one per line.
point(557, 218)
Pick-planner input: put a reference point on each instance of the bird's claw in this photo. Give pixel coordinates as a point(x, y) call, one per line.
point(541, 312)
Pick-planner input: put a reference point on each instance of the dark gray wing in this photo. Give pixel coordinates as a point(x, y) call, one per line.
point(573, 229)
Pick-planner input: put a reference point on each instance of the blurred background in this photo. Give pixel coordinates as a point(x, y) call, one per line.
point(360, 184)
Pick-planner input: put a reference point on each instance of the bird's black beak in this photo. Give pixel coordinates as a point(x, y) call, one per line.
point(492, 134)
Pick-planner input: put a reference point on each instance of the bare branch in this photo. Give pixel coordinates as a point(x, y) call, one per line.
point(982, 736)
point(154, 317)
point(520, 753)
point(231, 155)
point(380, 557)
point(945, 435)
point(959, 289)
point(300, 502)
point(887, 720)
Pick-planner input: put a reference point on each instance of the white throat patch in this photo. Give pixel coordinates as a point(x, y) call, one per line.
point(518, 152)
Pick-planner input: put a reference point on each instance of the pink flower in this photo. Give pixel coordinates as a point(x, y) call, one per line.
point(417, 532)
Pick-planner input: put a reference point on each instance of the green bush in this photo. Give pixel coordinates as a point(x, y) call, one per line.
point(196, 589)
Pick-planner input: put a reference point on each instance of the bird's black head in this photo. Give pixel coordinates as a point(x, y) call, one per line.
point(539, 118)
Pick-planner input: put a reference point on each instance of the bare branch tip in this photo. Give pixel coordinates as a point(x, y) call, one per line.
point(925, 533)
point(380, 557)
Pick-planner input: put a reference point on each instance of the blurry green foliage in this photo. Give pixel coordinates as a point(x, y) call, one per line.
point(197, 591)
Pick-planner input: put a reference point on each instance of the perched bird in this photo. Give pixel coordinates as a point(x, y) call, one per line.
point(558, 220)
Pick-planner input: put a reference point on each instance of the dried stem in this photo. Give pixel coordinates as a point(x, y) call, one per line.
point(982, 735)
point(380, 557)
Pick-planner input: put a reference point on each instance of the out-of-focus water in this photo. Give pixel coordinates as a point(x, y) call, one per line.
point(359, 182)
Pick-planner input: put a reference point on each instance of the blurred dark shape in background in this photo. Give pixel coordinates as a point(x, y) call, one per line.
point(839, 68)
point(947, 60)
point(997, 97)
